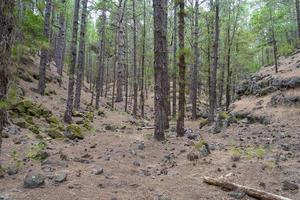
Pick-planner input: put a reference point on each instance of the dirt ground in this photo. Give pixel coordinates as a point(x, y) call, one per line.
point(268, 155)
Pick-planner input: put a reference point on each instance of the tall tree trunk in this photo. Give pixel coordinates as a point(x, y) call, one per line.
point(69, 108)
point(160, 61)
point(135, 79)
point(174, 62)
point(181, 102)
point(81, 58)
point(213, 79)
point(114, 70)
point(6, 41)
point(165, 78)
point(100, 74)
point(126, 64)
point(274, 43)
point(142, 99)
point(45, 51)
point(196, 64)
point(298, 17)
point(61, 40)
point(121, 53)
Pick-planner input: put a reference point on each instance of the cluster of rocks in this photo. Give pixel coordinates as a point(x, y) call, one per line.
point(281, 98)
point(262, 85)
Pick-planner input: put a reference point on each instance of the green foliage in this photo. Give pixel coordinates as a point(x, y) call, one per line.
point(36, 152)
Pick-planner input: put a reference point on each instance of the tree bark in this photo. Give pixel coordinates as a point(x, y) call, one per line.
point(6, 41)
point(160, 57)
point(135, 84)
point(174, 63)
point(213, 79)
point(69, 108)
point(61, 40)
point(298, 17)
point(121, 53)
point(81, 56)
point(100, 74)
point(45, 51)
point(196, 64)
point(165, 78)
point(181, 102)
point(142, 98)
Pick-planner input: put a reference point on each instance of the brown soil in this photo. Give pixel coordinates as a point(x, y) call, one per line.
point(164, 171)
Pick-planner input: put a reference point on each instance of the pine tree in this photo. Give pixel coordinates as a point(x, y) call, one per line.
point(44, 50)
point(181, 102)
point(69, 108)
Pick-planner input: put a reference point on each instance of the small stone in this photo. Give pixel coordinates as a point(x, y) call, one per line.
point(4, 197)
point(237, 194)
point(287, 185)
point(192, 156)
point(235, 158)
point(141, 146)
point(98, 170)
point(12, 170)
point(17, 140)
point(285, 147)
point(136, 163)
point(33, 180)
point(60, 177)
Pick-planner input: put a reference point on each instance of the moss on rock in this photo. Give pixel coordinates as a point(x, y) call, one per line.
point(35, 129)
point(74, 131)
point(55, 133)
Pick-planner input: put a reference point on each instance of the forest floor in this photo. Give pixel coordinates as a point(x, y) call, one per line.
point(135, 166)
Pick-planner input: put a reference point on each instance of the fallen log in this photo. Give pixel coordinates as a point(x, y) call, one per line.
point(259, 194)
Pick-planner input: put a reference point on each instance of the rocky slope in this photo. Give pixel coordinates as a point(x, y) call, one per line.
point(106, 154)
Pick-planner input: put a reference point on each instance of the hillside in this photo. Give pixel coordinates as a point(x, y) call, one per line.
point(114, 156)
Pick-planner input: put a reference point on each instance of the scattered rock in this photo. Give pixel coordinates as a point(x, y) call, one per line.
point(192, 156)
point(141, 146)
point(287, 185)
point(4, 197)
point(136, 163)
point(237, 194)
point(33, 180)
point(12, 170)
point(98, 170)
point(60, 177)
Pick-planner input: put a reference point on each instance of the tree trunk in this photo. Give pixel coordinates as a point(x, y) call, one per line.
point(196, 64)
point(213, 79)
point(273, 40)
point(181, 102)
point(114, 70)
point(135, 78)
point(6, 40)
point(228, 79)
point(174, 62)
point(143, 64)
point(69, 108)
point(298, 17)
point(126, 64)
point(165, 78)
point(100, 74)
point(45, 51)
point(81, 58)
point(121, 53)
point(61, 40)
point(160, 61)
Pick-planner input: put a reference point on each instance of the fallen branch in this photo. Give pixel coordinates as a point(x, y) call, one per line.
point(150, 127)
point(262, 195)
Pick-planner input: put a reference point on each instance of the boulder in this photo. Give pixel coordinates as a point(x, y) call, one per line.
point(34, 180)
point(73, 131)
